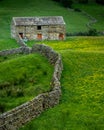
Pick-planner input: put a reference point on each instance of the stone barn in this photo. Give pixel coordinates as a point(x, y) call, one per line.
point(38, 28)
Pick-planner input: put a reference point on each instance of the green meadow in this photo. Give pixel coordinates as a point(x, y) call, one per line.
point(96, 11)
point(82, 102)
point(75, 21)
point(24, 76)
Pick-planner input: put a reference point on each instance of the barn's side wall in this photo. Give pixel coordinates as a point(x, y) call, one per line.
point(48, 32)
point(13, 30)
point(14, 119)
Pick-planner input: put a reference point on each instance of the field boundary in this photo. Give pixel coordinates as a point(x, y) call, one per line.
point(19, 116)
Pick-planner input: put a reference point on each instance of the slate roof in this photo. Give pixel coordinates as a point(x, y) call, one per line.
point(46, 20)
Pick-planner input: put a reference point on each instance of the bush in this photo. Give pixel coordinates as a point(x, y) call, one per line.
point(77, 34)
point(92, 32)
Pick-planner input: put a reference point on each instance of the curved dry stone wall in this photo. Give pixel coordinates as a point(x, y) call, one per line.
point(17, 117)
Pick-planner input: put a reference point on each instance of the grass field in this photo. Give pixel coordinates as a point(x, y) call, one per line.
point(95, 10)
point(8, 44)
point(22, 78)
point(75, 21)
point(82, 101)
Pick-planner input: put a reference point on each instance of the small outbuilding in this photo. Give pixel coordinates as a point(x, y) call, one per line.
point(38, 28)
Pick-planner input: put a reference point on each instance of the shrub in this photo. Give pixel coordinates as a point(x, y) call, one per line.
point(92, 32)
point(77, 34)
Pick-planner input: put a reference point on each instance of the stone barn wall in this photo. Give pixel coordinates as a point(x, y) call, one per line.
point(38, 28)
point(51, 32)
point(17, 117)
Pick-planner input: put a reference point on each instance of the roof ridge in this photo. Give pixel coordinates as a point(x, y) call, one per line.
point(38, 20)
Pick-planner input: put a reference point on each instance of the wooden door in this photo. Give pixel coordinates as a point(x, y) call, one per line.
point(39, 36)
point(61, 36)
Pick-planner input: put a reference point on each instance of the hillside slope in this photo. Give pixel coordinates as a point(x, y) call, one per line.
point(82, 101)
point(75, 21)
point(22, 77)
point(96, 11)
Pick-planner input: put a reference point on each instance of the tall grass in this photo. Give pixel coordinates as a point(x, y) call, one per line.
point(82, 102)
point(8, 44)
point(22, 78)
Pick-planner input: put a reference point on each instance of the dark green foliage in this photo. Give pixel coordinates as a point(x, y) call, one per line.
point(20, 93)
point(83, 1)
point(44, 73)
point(100, 1)
point(92, 32)
point(66, 3)
point(57, 0)
point(2, 107)
point(77, 10)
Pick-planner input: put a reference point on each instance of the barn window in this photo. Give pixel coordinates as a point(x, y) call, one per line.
point(38, 27)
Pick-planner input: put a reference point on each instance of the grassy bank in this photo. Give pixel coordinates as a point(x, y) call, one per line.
point(8, 44)
point(81, 105)
point(22, 78)
point(96, 11)
point(75, 21)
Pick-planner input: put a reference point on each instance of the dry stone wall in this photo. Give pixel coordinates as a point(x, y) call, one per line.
point(20, 50)
point(17, 117)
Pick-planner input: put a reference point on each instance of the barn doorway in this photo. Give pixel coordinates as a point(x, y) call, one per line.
point(39, 36)
point(21, 35)
point(61, 36)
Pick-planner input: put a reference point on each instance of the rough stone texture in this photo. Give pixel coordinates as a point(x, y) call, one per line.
point(20, 50)
point(46, 51)
point(20, 41)
point(17, 117)
point(38, 28)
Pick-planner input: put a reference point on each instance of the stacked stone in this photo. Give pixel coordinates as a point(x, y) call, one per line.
point(20, 50)
point(17, 117)
point(20, 41)
point(46, 51)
